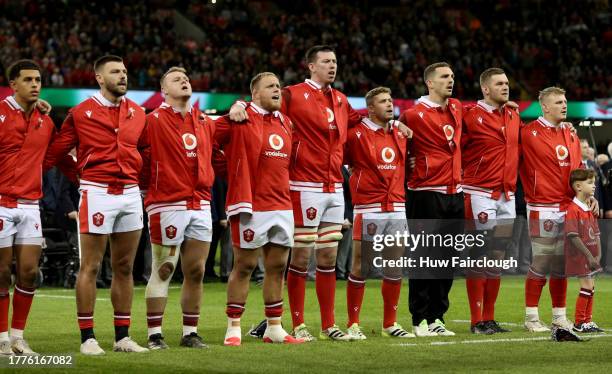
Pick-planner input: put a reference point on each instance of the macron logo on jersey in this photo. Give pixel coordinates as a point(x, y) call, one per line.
point(358, 135)
point(421, 115)
point(156, 115)
point(88, 113)
point(2, 118)
point(306, 95)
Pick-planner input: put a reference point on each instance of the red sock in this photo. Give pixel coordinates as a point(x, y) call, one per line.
point(558, 291)
point(191, 318)
point(5, 301)
point(22, 301)
point(490, 296)
point(274, 309)
point(154, 320)
point(234, 310)
point(355, 289)
point(475, 284)
point(589, 308)
point(325, 283)
point(122, 319)
point(390, 292)
point(533, 288)
point(582, 303)
point(86, 320)
point(296, 289)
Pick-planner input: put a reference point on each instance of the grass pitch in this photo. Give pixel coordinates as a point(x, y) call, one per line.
point(52, 329)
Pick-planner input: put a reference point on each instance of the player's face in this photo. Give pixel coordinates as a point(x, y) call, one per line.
point(382, 107)
point(177, 86)
point(27, 85)
point(498, 88)
point(267, 94)
point(113, 76)
point(441, 82)
point(555, 106)
point(324, 69)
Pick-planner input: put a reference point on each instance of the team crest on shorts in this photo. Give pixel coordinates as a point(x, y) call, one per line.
point(171, 232)
point(248, 235)
point(311, 213)
point(1, 224)
point(548, 225)
point(98, 219)
point(371, 228)
point(483, 217)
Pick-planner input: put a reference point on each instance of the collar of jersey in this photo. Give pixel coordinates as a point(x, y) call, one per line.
point(165, 105)
point(104, 101)
point(428, 103)
point(544, 122)
point(371, 125)
point(487, 107)
point(582, 205)
point(13, 103)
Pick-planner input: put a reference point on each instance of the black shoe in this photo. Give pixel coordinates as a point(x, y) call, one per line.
point(257, 332)
point(192, 340)
point(156, 341)
point(495, 326)
point(482, 328)
point(560, 334)
point(591, 327)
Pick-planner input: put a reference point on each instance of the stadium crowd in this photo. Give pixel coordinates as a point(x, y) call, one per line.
point(370, 49)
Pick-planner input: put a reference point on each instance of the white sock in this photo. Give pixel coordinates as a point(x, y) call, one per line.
point(533, 313)
point(4, 336)
point(154, 330)
point(187, 330)
point(16, 333)
point(233, 331)
point(558, 313)
point(275, 332)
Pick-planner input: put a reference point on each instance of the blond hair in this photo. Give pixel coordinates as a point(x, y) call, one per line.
point(548, 91)
point(259, 77)
point(369, 97)
point(172, 70)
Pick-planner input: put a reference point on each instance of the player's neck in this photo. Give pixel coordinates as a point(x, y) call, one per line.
point(435, 98)
point(26, 106)
point(180, 105)
point(382, 123)
point(110, 97)
point(583, 197)
point(553, 121)
point(492, 103)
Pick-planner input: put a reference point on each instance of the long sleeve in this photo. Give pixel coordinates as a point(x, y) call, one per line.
point(61, 145)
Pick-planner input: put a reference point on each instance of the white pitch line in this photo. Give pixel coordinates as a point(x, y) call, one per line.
point(486, 341)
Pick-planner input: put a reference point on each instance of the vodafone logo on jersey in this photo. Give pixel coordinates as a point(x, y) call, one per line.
point(449, 132)
point(189, 141)
point(591, 233)
point(330, 115)
point(562, 152)
point(276, 142)
point(388, 154)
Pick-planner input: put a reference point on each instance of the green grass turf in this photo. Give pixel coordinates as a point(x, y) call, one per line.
point(52, 329)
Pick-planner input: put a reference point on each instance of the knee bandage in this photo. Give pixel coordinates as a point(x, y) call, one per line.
point(305, 237)
point(329, 236)
point(162, 257)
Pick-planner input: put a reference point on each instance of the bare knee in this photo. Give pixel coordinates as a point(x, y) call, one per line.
point(244, 269)
point(5, 276)
point(122, 268)
point(89, 270)
point(27, 275)
point(300, 258)
point(326, 257)
point(195, 274)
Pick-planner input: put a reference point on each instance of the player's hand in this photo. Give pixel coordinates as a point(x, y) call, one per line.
point(513, 105)
point(43, 106)
point(237, 113)
point(73, 215)
point(404, 130)
point(346, 224)
point(570, 126)
point(594, 205)
point(411, 162)
point(593, 263)
point(223, 223)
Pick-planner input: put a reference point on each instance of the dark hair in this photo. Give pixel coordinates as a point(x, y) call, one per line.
point(311, 54)
point(487, 74)
point(15, 69)
point(432, 68)
point(580, 175)
point(100, 62)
